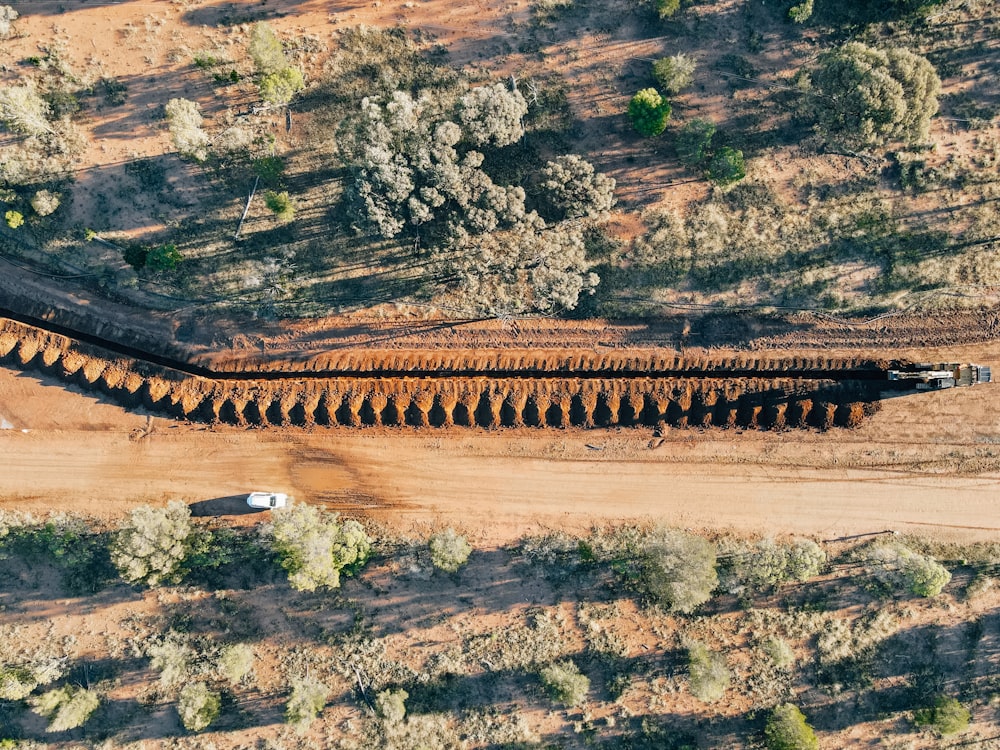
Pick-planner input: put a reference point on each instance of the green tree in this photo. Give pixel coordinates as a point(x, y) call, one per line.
point(708, 674)
point(14, 219)
point(281, 204)
point(308, 698)
point(787, 730)
point(649, 112)
point(565, 683)
point(265, 49)
point(66, 707)
point(572, 189)
point(152, 545)
point(674, 73)
point(184, 119)
point(864, 96)
point(802, 12)
point(163, 257)
point(897, 567)
point(198, 706)
point(726, 166)
point(315, 548)
point(947, 716)
point(279, 87)
point(694, 142)
point(449, 550)
point(677, 569)
point(667, 8)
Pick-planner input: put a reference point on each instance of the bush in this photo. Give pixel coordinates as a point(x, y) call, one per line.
point(7, 16)
point(66, 708)
point(171, 656)
point(767, 564)
point(265, 49)
point(947, 716)
point(279, 88)
point(667, 8)
point(14, 219)
point(649, 112)
point(897, 567)
point(315, 548)
point(677, 570)
point(694, 142)
point(779, 652)
point(449, 550)
point(707, 672)
point(727, 166)
point(163, 257)
point(184, 118)
point(281, 204)
point(565, 683)
point(152, 546)
point(390, 705)
point(306, 701)
point(45, 202)
point(675, 73)
point(802, 12)
point(235, 662)
point(787, 730)
point(198, 706)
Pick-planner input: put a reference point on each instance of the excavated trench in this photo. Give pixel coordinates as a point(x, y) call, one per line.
point(436, 389)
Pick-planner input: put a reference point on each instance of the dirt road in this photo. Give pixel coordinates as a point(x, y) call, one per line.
point(64, 450)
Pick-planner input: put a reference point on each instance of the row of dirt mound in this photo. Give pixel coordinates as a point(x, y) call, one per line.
point(429, 399)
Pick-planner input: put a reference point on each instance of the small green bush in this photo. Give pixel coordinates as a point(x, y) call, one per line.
point(565, 683)
point(667, 8)
point(727, 166)
point(235, 662)
point(675, 73)
point(198, 706)
point(649, 112)
point(14, 219)
point(787, 730)
point(163, 257)
point(947, 716)
point(708, 673)
point(449, 550)
point(802, 12)
point(306, 701)
point(694, 142)
point(281, 204)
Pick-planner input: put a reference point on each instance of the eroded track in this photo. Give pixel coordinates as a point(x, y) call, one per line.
point(486, 389)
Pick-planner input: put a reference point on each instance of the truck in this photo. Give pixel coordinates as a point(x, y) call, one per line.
point(931, 376)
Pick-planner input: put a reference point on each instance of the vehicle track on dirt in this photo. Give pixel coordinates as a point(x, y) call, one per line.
point(485, 389)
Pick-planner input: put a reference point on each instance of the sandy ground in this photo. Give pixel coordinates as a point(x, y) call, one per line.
point(64, 450)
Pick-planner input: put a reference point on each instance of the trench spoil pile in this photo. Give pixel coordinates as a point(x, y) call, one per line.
point(508, 389)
